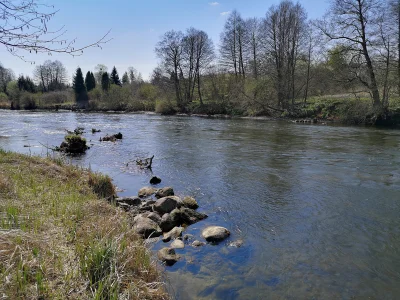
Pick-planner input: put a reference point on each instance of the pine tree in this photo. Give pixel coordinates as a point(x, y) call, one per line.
point(114, 77)
point(79, 88)
point(90, 84)
point(125, 78)
point(105, 81)
point(93, 79)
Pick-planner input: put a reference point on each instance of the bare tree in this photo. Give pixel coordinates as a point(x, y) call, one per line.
point(252, 44)
point(99, 69)
point(169, 50)
point(233, 44)
point(283, 32)
point(24, 26)
point(355, 24)
point(51, 76)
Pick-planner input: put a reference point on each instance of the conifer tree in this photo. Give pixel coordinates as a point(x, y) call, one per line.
point(79, 88)
point(125, 78)
point(114, 77)
point(105, 81)
point(89, 81)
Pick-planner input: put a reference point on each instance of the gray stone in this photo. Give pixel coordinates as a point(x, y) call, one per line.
point(164, 192)
point(215, 233)
point(198, 244)
point(169, 221)
point(190, 216)
point(155, 217)
point(167, 204)
point(172, 234)
point(177, 244)
point(146, 191)
point(147, 206)
point(236, 244)
point(190, 202)
point(132, 201)
point(168, 256)
point(146, 227)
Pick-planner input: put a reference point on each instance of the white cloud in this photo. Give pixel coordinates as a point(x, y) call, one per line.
point(213, 3)
point(224, 13)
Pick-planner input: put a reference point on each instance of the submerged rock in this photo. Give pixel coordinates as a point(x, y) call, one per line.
point(197, 243)
point(164, 192)
point(146, 191)
point(167, 204)
point(215, 233)
point(168, 256)
point(190, 202)
point(172, 234)
point(155, 180)
point(237, 244)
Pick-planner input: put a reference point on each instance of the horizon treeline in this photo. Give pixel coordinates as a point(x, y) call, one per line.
point(261, 66)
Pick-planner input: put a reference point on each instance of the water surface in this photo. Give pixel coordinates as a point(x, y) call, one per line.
point(316, 206)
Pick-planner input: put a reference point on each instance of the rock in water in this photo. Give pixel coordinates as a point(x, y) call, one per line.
point(197, 244)
point(215, 233)
point(146, 227)
point(167, 204)
point(168, 256)
point(164, 192)
point(168, 222)
point(190, 202)
point(155, 180)
point(190, 216)
point(177, 244)
point(173, 234)
point(146, 191)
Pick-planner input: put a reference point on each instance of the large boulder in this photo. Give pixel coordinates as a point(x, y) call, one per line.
point(164, 192)
point(190, 202)
point(146, 227)
point(168, 256)
point(215, 233)
point(167, 204)
point(146, 191)
point(173, 234)
point(155, 217)
point(169, 221)
point(190, 216)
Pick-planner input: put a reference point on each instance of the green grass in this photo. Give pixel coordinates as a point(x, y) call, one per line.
point(59, 239)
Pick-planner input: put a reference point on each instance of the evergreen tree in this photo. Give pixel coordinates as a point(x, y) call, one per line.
point(79, 88)
point(114, 77)
point(89, 81)
point(125, 78)
point(105, 81)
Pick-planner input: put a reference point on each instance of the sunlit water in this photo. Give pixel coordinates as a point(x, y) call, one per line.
point(318, 207)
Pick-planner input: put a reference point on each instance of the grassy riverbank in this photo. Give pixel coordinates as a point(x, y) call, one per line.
point(59, 239)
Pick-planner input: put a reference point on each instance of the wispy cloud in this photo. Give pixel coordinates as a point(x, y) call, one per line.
point(213, 3)
point(224, 13)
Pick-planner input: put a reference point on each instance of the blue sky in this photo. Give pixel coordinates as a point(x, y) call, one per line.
point(136, 26)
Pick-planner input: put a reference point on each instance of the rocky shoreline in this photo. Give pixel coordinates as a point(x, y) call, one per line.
point(158, 214)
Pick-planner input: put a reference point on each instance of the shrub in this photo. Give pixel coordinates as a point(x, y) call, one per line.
point(28, 101)
point(165, 107)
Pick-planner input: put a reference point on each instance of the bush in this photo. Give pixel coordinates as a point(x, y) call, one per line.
point(57, 97)
point(165, 107)
point(28, 101)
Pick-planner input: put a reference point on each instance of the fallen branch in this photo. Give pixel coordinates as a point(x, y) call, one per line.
point(145, 163)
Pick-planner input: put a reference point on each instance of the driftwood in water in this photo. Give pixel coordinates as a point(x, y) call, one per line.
point(145, 163)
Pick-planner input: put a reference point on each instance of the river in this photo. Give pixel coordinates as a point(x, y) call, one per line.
point(318, 207)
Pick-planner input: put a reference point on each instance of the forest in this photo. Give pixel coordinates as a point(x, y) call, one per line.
point(344, 66)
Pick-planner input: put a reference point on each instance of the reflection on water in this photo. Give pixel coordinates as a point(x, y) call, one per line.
point(317, 206)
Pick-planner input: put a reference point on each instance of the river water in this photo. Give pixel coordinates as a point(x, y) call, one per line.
point(318, 207)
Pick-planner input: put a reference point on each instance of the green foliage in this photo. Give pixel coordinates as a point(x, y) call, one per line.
point(28, 101)
point(105, 81)
point(165, 107)
point(125, 78)
point(114, 78)
point(90, 81)
point(79, 87)
point(26, 84)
